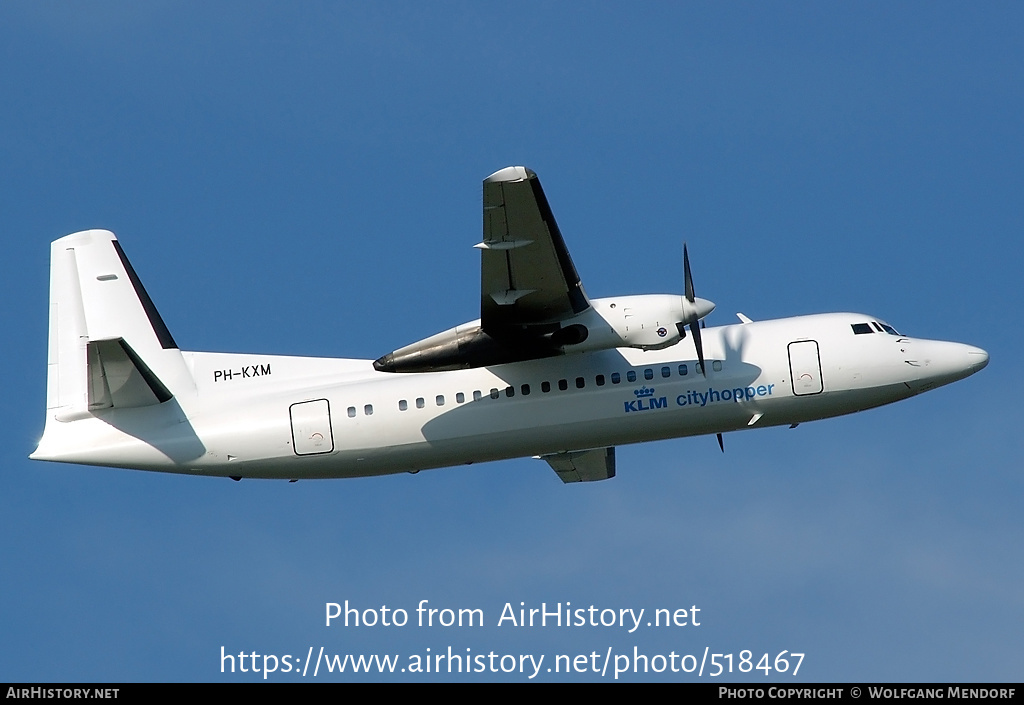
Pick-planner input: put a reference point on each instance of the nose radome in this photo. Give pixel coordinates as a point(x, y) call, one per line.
point(958, 360)
point(977, 358)
point(940, 362)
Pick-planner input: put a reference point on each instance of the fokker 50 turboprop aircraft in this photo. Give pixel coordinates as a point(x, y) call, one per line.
point(546, 371)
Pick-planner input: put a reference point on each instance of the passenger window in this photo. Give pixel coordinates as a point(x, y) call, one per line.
point(351, 412)
point(477, 396)
point(439, 399)
point(368, 409)
point(682, 370)
point(525, 389)
point(600, 380)
point(510, 391)
point(420, 403)
point(716, 365)
point(580, 383)
point(494, 393)
point(545, 387)
point(563, 384)
point(631, 376)
point(616, 378)
point(648, 373)
point(460, 398)
point(403, 405)
point(666, 371)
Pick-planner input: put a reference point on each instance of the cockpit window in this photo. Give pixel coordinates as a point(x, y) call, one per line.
point(863, 328)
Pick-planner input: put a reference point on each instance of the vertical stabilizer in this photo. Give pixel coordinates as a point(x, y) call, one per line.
point(108, 345)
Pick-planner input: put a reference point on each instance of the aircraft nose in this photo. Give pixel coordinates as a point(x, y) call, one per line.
point(937, 363)
point(957, 360)
point(977, 358)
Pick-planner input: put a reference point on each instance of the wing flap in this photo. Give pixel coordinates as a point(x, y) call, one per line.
point(583, 465)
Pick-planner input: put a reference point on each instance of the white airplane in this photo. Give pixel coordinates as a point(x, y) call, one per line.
point(545, 372)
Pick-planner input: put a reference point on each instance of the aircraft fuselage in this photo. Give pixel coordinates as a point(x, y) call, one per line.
point(293, 417)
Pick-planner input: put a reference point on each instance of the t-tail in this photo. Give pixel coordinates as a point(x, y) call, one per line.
point(109, 349)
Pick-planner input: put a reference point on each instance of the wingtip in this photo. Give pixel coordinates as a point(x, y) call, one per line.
point(511, 173)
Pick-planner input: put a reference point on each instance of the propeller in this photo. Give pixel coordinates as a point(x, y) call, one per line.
point(697, 309)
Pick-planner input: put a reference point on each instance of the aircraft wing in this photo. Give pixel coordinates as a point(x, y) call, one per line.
point(529, 288)
point(528, 279)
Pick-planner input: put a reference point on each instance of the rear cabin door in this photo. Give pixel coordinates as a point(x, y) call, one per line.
point(311, 427)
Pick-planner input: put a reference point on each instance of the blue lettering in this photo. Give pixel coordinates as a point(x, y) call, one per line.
point(738, 394)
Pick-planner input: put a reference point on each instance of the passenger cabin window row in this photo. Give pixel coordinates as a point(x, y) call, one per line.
point(649, 373)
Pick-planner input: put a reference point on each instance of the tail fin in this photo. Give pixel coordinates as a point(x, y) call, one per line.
point(108, 345)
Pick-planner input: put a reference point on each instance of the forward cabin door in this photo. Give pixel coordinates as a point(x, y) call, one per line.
point(805, 368)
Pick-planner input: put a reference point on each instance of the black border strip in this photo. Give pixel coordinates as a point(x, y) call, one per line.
point(163, 334)
point(161, 392)
point(577, 299)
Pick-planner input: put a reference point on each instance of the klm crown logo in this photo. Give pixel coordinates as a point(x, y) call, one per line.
point(645, 400)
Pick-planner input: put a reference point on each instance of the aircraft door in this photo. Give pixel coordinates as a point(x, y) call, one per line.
point(311, 427)
point(805, 367)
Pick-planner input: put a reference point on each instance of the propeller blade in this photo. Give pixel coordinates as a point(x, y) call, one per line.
point(687, 277)
point(695, 332)
point(721, 443)
point(702, 308)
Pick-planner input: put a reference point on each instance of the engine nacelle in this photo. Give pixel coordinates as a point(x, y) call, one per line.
point(649, 322)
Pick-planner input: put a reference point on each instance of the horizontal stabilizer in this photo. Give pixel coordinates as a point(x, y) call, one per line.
point(118, 378)
point(583, 465)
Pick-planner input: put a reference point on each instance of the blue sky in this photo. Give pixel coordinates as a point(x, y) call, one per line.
point(305, 179)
